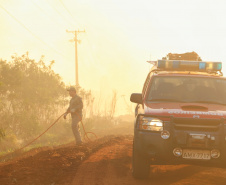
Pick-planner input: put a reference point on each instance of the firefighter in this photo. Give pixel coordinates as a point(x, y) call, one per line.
point(75, 109)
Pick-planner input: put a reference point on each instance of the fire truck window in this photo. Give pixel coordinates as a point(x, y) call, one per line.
point(188, 89)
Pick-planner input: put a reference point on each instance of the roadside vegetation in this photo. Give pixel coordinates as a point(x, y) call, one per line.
point(32, 96)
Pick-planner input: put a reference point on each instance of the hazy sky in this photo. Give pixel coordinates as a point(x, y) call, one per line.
point(121, 35)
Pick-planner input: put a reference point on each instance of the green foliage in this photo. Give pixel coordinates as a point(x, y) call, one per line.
point(30, 93)
point(30, 82)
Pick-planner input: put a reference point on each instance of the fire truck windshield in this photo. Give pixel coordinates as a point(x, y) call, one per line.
point(187, 89)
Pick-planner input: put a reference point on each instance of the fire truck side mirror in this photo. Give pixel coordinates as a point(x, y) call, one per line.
point(136, 98)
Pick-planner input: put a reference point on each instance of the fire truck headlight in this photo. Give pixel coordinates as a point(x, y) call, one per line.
point(151, 124)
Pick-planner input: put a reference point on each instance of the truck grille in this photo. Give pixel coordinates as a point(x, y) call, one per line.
point(209, 125)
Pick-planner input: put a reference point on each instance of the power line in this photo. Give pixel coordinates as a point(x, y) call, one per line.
point(61, 15)
point(67, 10)
point(34, 35)
point(52, 18)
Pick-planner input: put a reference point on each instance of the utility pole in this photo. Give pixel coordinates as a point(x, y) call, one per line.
point(76, 52)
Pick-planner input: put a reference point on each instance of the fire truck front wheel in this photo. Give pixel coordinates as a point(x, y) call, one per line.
point(140, 165)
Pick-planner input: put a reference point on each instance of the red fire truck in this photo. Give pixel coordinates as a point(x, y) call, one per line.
point(180, 116)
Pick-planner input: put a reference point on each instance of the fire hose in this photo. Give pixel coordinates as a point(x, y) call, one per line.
point(85, 133)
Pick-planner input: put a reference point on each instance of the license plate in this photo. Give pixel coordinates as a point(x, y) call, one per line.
point(196, 154)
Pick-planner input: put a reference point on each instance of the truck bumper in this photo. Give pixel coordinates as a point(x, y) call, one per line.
point(160, 151)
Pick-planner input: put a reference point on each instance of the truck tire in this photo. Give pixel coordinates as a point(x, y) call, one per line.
point(140, 165)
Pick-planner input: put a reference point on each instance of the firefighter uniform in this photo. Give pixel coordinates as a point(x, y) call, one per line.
point(75, 109)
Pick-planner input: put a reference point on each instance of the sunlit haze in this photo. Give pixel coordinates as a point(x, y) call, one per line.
point(121, 35)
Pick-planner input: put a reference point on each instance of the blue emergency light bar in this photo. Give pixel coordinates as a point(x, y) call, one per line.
point(182, 65)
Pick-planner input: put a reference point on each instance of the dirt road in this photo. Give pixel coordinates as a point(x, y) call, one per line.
point(112, 165)
point(104, 161)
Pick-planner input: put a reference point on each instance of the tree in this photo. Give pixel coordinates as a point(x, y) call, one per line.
point(30, 93)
